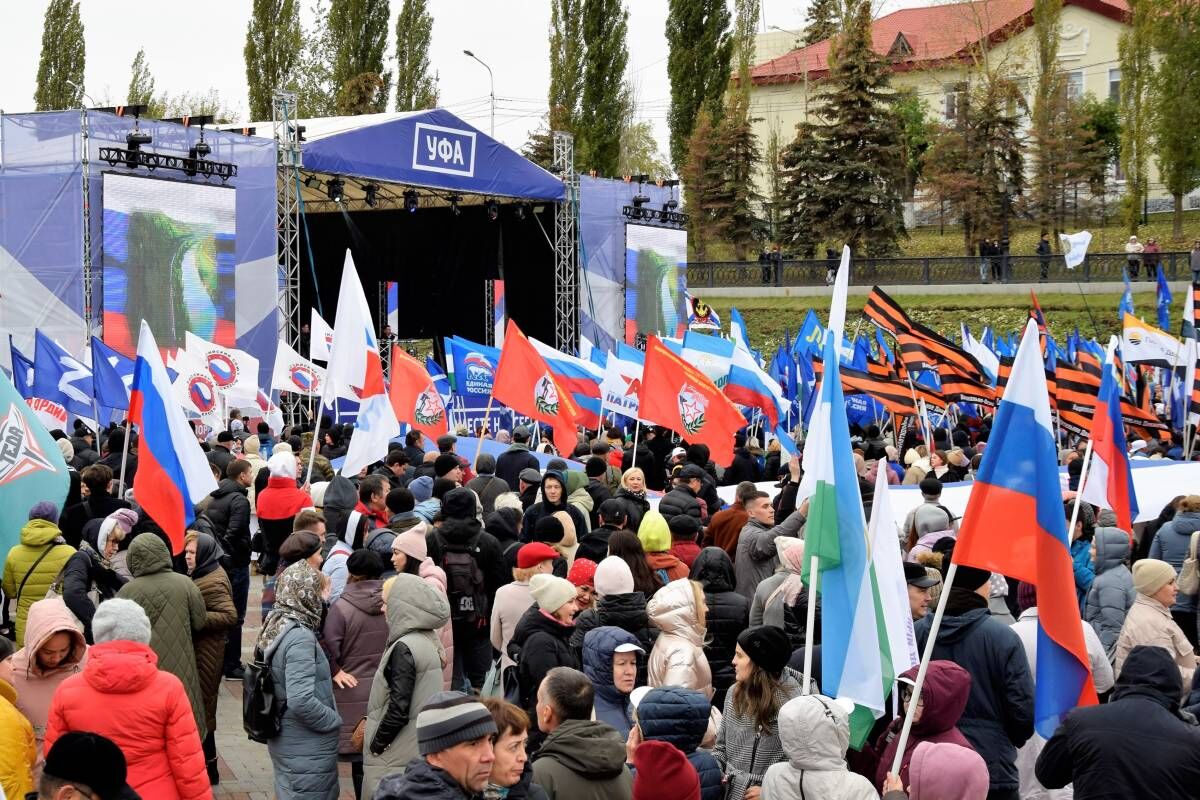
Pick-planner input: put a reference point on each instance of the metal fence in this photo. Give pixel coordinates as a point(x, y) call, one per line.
point(936, 270)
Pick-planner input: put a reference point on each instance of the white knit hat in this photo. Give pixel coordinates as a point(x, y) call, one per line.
point(121, 619)
point(613, 576)
point(551, 592)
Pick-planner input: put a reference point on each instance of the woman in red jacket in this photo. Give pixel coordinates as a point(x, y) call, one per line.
point(123, 695)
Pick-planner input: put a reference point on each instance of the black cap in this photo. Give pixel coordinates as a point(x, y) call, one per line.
point(915, 575)
point(930, 486)
point(613, 510)
point(690, 472)
point(444, 463)
point(971, 578)
point(91, 760)
point(364, 563)
point(530, 475)
point(684, 526)
point(446, 441)
point(224, 436)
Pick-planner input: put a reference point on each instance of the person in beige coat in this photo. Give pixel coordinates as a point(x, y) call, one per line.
point(1149, 620)
point(678, 610)
point(514, 599)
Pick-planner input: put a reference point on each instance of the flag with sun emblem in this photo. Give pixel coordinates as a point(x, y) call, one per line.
point(31, 466)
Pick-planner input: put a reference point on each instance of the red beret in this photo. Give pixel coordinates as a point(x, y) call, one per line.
point(534, 553)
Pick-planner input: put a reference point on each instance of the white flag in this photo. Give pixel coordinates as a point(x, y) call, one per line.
point(296, 374)
point(1075, 247)
point(235, 372)
point(196, 389)
point(320, 338)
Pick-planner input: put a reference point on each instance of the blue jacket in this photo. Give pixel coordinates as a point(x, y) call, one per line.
point(680, 716)
point(610, 705)
point(1081, 565)
point(1171, 545)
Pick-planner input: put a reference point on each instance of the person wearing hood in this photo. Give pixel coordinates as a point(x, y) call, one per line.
point(655, 536)
point(677, 658)
point(516, 458)
point(121, 694)
point(579, 498)
point(504, 524)
point(350, 538)
point(815, 733)
point(928, 522)
point(304, 754)
point(728, 614)
point(277, 507)
point(748, 740)
point(91, 570)
point(679, 717)
point(541, 640)
point(253, 453)
point(943, 698)
point(581, 758)
point(942, 771)
point(770, 598)
point(203, 558)
point(512, 771)
point(1138, 744)
point(633, 494)
point(410, 554)
point(354, 637)
point(998, 717)
point(1149, 620)
point(32, 565)
point(617, 605)
point(1112, 593)
point(1172, 544)
point(176, 611)
point(662, 772)
point(54, 651)
point(409, 674)
point(566, 545)
point(554, 498)
point(610, 662)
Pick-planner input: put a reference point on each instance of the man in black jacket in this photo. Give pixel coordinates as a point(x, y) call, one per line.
point(596, 470)
point(229, 513)
point(97, 503)
point(612, 518)
point(222, 454)
point(516, 458)
point(699, 455)
point(682, 498)
point(114, 449)
point(743, 468)
point(1137, 745)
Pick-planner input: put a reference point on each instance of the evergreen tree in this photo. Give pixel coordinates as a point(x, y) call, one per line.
point(598, 141)
point(1049, 108)
point(141, 82)
point(62, 59)
point(1176, 102)
point(702, 177)
point(316, 94)
point(775, 181)
point(416, 88)
point(566, 64)
point(699, 52)
point(1137, 73)
point(800, 165)
point(272, 52)
point(358, 30)
point(822, 21)
point(539, 147)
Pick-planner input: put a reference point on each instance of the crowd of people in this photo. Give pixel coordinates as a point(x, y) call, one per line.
point(603, 627)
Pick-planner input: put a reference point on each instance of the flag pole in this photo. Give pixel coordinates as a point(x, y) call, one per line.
point(921, 670)
point(636, 430)
point(810, 623)
point(124, 457)
point(479, 442)
point(1087, 458)
point(312, 455)
point(600, 424)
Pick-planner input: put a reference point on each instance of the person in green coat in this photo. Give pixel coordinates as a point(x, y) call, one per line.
point(176, 611)
point(32, 565)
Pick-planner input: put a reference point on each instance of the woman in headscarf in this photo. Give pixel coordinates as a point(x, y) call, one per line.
point(304, 754)
point(782, 599)
point(90, 571)
point(203, 556)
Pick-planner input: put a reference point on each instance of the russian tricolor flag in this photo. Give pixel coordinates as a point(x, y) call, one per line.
point(173, 472)
point(580, 377)
point(1109, 481)
point(1014, 525)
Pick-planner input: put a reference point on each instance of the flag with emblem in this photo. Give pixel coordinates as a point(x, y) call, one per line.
point(414, 398)
point(31, 466)
point(525, 384)
point(296, 374)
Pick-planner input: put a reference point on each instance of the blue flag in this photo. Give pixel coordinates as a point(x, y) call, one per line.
point(61, 378)
point(31, 466)
point(811, 338)
point(22, 374)
point(112, 375)
point(1164, 301)
point(883, 346)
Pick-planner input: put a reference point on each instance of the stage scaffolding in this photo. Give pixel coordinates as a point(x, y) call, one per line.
point(287, 210)
point(566, 247)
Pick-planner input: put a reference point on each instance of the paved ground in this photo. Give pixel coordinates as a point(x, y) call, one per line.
point(245, 766)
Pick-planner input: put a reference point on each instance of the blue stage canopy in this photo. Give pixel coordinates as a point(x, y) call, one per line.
point(433, 149)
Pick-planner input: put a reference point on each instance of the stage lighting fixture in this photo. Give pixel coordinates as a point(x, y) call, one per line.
point(335, 188)
point(454, 200)
point(312, 182)
point(371, 195)
point(411, 200)
point(493, 209)
point(520, 211)
point(671, 205)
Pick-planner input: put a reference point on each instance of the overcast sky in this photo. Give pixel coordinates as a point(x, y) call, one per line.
point(193, 46)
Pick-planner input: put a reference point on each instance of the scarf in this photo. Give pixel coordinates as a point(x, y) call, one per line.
point(793, 559)
point(208, 556)
point(297, 599)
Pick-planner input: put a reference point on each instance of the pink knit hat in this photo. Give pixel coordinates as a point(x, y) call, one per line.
point(412, 543)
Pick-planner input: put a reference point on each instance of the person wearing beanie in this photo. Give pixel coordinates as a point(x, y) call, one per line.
point(610, 661)
point(354, 636)
point(454, 735)
point(123, 695)
point(1112, 593)
point(815, 733)
point(583, 575)
point(611, 517)
point(32, 565)
point(514, 599)
point(447, 466)
point(1149, 620)
point(91, 570)
point(998, 717)
point(554, 498)
point(663, 773)
point(474, 566)
point(409, 674)
point(1172, 544)
point(727, 616)
point(655, 536)
point(541, 640)
point(597, 471)
point(505, 524)
point(619, 605)
point(685, 538)
point(421, 488)
point(677, 658)
point(277, 506)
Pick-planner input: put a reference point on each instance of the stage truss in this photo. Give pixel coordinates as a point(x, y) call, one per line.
point(566, 247)
point(287, 213)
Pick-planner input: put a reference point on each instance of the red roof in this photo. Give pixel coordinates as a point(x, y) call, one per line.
point(918, 38)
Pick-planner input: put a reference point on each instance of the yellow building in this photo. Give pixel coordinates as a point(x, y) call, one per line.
point(932, 51)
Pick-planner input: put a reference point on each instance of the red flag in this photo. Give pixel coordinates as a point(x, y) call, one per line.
point(678, 396)
point(525, 384)
point(414, 397)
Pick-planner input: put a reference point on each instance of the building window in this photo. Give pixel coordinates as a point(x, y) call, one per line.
point(954, 100)
point(1074, 84)
point(1114, 84)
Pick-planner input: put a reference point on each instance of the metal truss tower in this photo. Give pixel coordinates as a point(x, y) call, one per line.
point(287, 213)
point(566, 247)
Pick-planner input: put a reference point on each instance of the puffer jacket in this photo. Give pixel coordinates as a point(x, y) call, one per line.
point(609, 705)
point(624, 611)
point(220, 616)
point(943, 698)
point(435, 576)
point(38, 536)
point(176, 611)
point(229, 513)
point(544, 508)
point(304, 754)
point(1171, 544)
point(636, 505)
point(354, 637)
point(421, 781)
point(743, 750)
point(1081, 566)
point(84, 571)
point(728, 613)
point(680, 500)
point(123, 695)
point(409, 673)
point(35, 686)
point(583, 760)
point(655, 536)
point(20, 751)
point(539, 644)
point(1112, 593)
point(815, 732)
point(680, 717)
point(1149, 622)
point(678, 656)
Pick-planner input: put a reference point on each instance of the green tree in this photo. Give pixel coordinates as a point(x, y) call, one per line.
point(566, 64)
point(196, 104)
point(141, 83)
point(272, 52)
point(639, 149)
point(1048, 108)
point(698, 59)
point(1176, 101)
point(800, 165)
point(1137, 74)
point(703, 179)
point(539, 147)
point(316, 93)
point(358, 31)
point(598, 140)
point(772, 165)
point(416, 88)
point(822, 21)
point(916, 133)
point(60, 69)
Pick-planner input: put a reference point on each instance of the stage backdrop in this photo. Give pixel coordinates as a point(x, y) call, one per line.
point(655, 281)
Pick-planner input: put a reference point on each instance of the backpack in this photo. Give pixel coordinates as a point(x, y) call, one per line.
point(262, 711)
point(464, 582)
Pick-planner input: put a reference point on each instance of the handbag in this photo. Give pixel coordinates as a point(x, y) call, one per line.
point(262, 711)
point(359, 735)
point(501, 683)
point(1188, 581)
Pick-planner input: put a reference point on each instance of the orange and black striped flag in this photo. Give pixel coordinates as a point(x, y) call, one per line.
point(1006, 365)
point(960, 388)
point(920, 347)
point(886, 312)
point(1077, 387)
point(1036, 313)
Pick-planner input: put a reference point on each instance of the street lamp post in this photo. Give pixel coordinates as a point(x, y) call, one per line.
point(492, 83)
